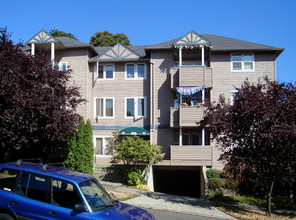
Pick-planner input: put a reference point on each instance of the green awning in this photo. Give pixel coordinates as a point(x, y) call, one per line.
point(133, 131)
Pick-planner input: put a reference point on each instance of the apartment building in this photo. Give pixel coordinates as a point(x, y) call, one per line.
point(158, 92)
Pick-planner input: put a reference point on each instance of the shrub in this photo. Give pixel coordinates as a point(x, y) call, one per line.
point(284, 202)
point(218, 196)
point(134, 177)
point(214, 183)
point(212, 173)
point(143, 186)
point(81, 150)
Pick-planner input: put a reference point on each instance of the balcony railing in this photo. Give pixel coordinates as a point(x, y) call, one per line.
point(186, 116)
point(193, 155)
point(191, 76)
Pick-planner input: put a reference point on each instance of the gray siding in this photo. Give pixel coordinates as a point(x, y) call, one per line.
point(77, 60)
point(119, 89)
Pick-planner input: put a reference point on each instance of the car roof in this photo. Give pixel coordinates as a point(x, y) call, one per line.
point(52, 171)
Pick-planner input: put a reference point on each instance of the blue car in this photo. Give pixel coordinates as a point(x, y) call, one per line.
point(33, 190)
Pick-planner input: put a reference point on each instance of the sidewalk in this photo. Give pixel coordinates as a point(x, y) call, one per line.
point(167, 202)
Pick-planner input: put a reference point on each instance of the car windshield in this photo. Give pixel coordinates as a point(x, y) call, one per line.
point(96, 195)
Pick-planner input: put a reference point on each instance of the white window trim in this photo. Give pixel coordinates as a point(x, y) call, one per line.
point(60, 64)
point(136, 116)
point(96, 71)
point(136, 71)
point(242, 62)
point(104, 145)
point(95, 108)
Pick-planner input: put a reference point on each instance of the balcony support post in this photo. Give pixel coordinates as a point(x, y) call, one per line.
point(203, 138)
point(52, 53)
point(202, 55)
point(180, 137)
point(180, 55)
point(33, 49)
point(203, 129)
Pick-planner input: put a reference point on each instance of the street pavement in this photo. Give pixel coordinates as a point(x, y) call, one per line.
point(170, 203)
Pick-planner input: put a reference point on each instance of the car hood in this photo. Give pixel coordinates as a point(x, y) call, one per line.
point(122, 211)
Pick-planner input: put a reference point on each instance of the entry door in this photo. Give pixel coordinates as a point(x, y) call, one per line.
point(103, 148)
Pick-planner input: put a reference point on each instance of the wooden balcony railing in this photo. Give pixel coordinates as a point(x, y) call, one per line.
point(191, 155)
point(191, 76)
point(186, 116)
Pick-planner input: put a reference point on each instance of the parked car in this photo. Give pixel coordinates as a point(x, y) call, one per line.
point(30, 189)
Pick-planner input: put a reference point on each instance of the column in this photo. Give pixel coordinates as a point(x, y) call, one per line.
point(52, 53)
point(180, 137)
point(203, 138)
point(202, 55)
point(180, 55)
point(33, 49)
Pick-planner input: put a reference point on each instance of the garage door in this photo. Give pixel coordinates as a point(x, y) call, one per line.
point(177, 181)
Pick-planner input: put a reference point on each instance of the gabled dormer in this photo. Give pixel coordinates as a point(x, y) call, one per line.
point(118, 52)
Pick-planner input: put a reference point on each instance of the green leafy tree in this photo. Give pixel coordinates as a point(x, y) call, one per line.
point(258, 132)
point(57, 33)
point(106, 39)
point(34, 120)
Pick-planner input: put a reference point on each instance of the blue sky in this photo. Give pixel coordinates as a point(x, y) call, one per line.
point(270, 22)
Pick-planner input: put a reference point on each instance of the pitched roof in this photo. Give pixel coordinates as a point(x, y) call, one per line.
point(220, 43)
point(139, 50)
point(70, 42)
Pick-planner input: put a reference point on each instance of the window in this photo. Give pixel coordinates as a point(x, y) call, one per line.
point(62, 66)
point(104, 107)
point(135, 71)
point(103, 71)
point(232, 98)
point(7, 179)
point(102, 146)
point(242, 62)
point(95, 195)
point(33, 186)
point(136, 107)
point(62, 189)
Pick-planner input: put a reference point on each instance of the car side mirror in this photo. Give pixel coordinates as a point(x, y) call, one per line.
point(80, 208)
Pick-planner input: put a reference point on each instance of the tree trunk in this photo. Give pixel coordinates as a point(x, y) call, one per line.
point(269, 196)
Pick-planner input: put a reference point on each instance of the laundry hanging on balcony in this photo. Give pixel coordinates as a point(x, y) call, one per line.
point(190, 90)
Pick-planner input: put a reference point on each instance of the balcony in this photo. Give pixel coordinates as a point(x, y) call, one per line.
point(191, 76)
point(186, 116)
point(191, 155)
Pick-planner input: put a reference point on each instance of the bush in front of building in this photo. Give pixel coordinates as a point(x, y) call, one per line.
point(81, 150)
point(212, 173)
point(215, 183)
point(137, 154)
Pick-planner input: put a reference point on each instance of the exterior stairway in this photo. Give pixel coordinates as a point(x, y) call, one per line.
point(108, 172)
